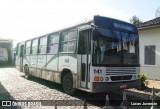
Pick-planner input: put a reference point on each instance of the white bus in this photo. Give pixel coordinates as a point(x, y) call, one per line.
point(96, 56)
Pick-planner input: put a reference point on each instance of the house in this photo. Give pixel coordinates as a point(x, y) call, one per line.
point(149, 42)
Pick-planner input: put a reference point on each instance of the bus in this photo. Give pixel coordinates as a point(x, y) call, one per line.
point(96, 56)
point(6, 51)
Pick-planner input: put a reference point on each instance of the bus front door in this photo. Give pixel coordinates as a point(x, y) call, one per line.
point(21, 57)
point(84, 48)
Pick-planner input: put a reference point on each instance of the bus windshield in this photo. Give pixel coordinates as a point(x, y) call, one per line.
point(114, 48)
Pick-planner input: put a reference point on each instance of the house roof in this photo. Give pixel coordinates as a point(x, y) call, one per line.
point(5, 40)
point(149, 24)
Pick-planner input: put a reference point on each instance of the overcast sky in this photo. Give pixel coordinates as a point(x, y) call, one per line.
point(25, 19)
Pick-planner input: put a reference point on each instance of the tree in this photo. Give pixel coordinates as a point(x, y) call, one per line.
point(135, 20)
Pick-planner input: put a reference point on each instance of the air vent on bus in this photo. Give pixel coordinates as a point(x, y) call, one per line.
point(120, 70)
point(117, 78)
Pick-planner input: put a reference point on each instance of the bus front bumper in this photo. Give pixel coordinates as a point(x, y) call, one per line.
point(99, 87)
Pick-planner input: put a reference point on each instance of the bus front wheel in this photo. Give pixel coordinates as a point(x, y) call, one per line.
point(68, 84)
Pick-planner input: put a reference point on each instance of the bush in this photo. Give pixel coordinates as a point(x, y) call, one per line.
point(143, 79)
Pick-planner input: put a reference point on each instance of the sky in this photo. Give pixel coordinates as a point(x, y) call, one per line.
point(25, 19)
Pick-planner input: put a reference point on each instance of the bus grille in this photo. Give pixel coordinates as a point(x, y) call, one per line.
point(120, 70)
point(117, 78)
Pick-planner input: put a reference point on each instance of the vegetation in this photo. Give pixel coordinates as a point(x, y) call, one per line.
point(143, 79)
point(135, 20)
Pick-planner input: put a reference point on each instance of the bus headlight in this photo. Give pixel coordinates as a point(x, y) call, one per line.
point(107, 78)
point(101, 78)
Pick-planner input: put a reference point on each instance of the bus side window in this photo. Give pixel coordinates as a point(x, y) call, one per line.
point(84, 46)
point(68, 40)
point(82, 43)
point(28, 47)
point(53, 43)
point(43, 45)
point(35, 46)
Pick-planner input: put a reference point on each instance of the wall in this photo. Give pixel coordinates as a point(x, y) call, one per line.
point(150, 37)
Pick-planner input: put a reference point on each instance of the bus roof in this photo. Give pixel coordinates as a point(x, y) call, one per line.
point(5, 40)
point(75, 26)
point(111, 23)
point(100, 22)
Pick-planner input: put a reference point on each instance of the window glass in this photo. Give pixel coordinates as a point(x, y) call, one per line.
point(64, 47)
point(64, 36)
point(43, 45)
point(28, 44)
point(71, 46)
point(28, 47)
point(53, 48)
point(150, 56)
point(34, 46)
point(72, 35)
point(82, 47)
point(43, 41)
point(68, 40)
point(121, 48)
point(54, 38)
point(68, 46)
point(53, 43)
point(35, 43)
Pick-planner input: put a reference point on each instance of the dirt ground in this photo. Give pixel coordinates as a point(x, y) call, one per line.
point(153, 83)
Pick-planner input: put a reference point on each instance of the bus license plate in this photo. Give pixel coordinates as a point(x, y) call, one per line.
point(123, 86)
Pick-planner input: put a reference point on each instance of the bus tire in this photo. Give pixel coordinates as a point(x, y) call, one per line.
point(68, 84)
point(26, 71)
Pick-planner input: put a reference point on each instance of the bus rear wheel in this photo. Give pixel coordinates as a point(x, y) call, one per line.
point(68, 84)
point(26, 71)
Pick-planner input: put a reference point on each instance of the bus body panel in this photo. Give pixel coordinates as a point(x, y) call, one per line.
point(26, 60)
point(42, 59)
point(68, 62)
point(33, 61)
point(52, 62)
